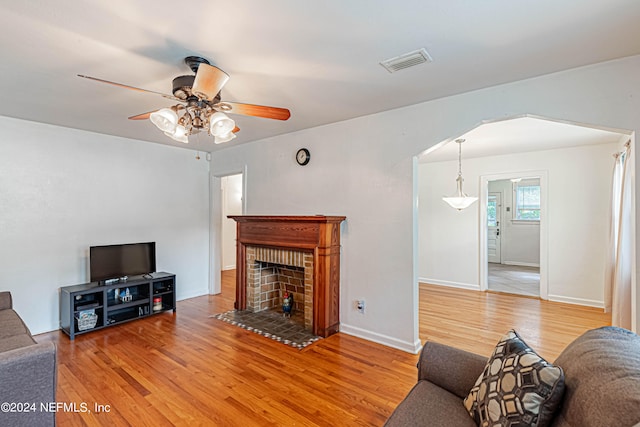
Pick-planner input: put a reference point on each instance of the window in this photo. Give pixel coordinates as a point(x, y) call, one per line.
point(527, 200)
point(492, 220)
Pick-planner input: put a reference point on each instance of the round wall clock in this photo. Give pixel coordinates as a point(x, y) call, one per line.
point(303, 156)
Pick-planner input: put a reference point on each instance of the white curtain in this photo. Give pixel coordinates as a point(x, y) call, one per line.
point(619, 266)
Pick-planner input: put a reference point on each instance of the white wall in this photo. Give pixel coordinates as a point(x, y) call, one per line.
point(63, 190)
point(364, 168)
point(232, 205)
point(520, 241)
point(359, 181)
point(579, 181)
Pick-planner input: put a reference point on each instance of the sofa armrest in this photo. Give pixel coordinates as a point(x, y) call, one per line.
point(29, 375)
point(5, 300)
point(452, 369)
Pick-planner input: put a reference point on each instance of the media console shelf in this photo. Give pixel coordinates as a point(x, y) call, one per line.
point(89, 306)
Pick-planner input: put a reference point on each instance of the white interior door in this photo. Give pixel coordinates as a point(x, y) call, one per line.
point(231, 205)
point(494, 218)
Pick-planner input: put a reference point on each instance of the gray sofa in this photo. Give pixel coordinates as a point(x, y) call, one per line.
point(27, 372)
point(601, 378)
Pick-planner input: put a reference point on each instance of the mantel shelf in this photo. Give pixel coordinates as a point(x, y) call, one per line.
point(286, 218)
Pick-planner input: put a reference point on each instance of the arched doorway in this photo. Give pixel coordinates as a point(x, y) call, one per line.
point(566, 156)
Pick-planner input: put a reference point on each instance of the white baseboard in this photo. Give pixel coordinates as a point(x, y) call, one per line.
point(521, 264)
point(449, 284)
point(194, 294)
point(413, 348)
point(577, 301)
point(229, 267)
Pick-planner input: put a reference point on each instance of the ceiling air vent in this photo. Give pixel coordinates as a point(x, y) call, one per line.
point(407, 60)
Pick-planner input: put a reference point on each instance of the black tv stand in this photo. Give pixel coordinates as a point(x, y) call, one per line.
point(91, 306)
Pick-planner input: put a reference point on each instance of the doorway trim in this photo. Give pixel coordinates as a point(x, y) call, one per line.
point(215, 224)
point(544, 241)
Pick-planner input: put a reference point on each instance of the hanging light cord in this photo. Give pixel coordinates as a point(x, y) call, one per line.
point(459, 179)
point(459, 141)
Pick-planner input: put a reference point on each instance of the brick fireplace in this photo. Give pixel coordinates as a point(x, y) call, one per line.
point(299, 254)
point(271, 272)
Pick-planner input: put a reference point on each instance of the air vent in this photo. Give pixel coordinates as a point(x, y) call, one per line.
point(407, 60)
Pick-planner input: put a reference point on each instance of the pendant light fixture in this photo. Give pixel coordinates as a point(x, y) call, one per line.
point(460, 200)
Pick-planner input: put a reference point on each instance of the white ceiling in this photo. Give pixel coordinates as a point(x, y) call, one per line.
point(319, 59)
point(520, 135)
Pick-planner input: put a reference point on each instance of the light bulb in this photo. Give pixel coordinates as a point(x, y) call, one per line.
point(460, 202)
point(224, 138)
point(179, 134)
point(165, 119)
point(220, 124)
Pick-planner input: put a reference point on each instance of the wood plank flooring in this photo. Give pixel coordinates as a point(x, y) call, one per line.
point(190, 369)
point(475, 321)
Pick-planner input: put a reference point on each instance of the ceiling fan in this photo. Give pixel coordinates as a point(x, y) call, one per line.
point(199, 106)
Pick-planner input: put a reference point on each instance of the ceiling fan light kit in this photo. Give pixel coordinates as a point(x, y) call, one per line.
point(200, 107)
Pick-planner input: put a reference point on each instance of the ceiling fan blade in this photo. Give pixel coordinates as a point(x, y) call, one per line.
point(208, 82)
point(254, 110)
point(129, 87)
point(143, 116)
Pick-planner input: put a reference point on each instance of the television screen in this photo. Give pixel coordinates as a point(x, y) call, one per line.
point(113, 261)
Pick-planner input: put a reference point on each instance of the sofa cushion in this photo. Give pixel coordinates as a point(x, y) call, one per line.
point(453, 369)
point(6, 303)
point(12, 324)
point(16, 341)
point(602, 369)
point(429, 405)
point(517, 387)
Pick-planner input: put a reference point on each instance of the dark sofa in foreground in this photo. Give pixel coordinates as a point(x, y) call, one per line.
point(601, 384)
point(27, 372)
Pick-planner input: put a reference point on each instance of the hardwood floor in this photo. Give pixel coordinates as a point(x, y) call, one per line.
point(475, 321)
point(190, 369)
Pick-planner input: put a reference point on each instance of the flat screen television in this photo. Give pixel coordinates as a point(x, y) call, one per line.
point(114, 261)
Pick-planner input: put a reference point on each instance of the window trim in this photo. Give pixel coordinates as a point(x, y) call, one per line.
point(530, 182)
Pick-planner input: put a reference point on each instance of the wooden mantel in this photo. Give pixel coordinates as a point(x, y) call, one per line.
point(317, 234)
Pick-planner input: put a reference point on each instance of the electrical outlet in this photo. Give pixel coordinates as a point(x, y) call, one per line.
point(360, 306)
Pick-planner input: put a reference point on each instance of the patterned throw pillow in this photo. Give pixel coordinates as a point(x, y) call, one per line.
point(516, 388)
